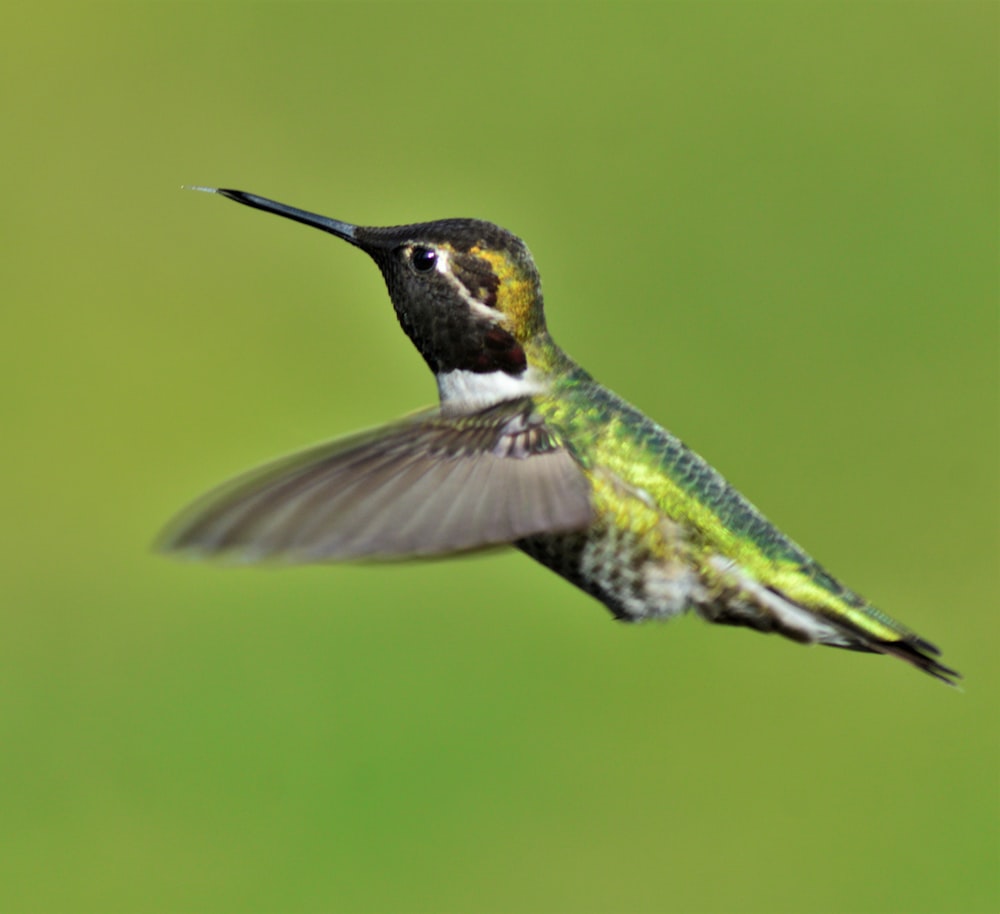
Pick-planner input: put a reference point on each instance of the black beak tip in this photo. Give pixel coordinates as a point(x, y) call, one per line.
point(334, 226)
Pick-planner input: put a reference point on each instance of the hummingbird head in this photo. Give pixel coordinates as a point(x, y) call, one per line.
point(466, 292)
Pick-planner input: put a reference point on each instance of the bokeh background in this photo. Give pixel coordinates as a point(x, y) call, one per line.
point(771, 226)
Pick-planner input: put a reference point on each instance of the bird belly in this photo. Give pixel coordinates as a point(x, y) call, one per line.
point(643, 564)
point(634, 560)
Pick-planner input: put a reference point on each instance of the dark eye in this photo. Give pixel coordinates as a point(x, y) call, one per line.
point(423, 259)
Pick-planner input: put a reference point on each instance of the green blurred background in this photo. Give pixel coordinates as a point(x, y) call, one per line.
point(773, 227)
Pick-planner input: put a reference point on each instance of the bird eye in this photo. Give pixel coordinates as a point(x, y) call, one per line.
point(423, 259)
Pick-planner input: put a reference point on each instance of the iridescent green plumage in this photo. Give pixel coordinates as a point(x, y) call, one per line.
point(527, 448)
point(658, 477)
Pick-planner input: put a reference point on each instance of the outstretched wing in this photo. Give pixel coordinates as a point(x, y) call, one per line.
point(428, 485)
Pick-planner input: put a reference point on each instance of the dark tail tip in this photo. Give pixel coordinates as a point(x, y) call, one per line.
point(922, 654)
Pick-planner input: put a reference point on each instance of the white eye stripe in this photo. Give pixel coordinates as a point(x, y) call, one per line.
point(443, 266)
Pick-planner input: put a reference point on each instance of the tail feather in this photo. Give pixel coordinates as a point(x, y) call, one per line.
point(749, 603)
point(921, 654)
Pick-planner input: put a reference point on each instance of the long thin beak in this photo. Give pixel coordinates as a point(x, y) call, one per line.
point(335, 227)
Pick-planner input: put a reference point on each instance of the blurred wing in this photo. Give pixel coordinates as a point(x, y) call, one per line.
point(429, 485)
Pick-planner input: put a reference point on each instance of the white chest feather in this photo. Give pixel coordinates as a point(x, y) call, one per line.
point(477, 390)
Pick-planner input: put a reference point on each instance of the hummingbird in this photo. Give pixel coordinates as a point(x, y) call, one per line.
point(525, 448)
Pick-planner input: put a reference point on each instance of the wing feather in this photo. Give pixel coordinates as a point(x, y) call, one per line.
point(426, 486)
